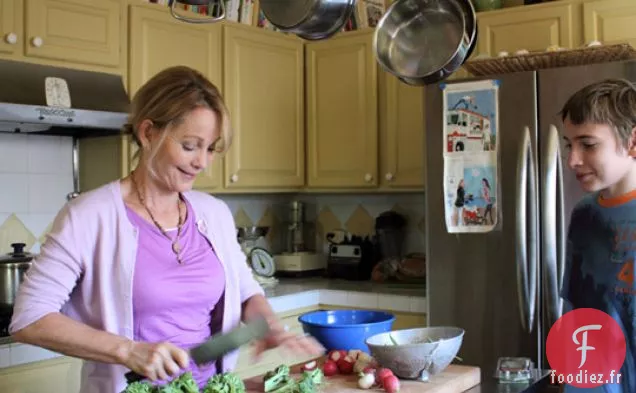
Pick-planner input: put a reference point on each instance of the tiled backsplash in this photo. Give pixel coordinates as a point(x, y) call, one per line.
point(36, 174)
point(354, 213)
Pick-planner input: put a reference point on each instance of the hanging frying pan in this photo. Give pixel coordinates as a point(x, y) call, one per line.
point(424, 41)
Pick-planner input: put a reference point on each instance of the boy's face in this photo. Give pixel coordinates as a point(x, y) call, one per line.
point(596, 156)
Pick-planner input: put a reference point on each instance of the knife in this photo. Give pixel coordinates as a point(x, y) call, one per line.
point(219, 344)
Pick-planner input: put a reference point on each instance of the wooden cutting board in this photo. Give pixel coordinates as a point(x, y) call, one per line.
point(455, 379)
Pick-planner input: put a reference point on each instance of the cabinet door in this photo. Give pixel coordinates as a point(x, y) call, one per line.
point(610, 21)
point(57, 375)
point(401, 134)
point(11, 18)
point(83, 31)
point(533, 29)
point(342, 112)
point(158, 41)
point(264, 89)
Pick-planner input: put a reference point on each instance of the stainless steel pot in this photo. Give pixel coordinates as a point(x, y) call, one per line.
point(13, 266)
point(425, 41)
point(209, 3)
point(308, 19)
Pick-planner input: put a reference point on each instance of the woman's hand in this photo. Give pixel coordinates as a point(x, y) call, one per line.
point(279, 336)
point(155, 361)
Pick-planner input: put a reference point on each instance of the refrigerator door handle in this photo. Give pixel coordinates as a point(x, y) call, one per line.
point(526, 245)
point(553, 225)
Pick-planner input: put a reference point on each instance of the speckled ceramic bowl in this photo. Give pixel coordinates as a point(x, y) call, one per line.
point(409, 352)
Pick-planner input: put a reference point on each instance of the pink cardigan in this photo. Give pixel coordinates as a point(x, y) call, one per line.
point(85, 270)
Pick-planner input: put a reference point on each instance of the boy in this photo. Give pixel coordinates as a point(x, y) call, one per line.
point(600, 133)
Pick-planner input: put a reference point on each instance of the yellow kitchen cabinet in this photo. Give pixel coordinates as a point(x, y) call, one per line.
point(86, 34)
point(342, 112)
point(610, 21)
point(401, 134)
point(61, 374)
point(157, 41)
point(264, 91)
point(533, 28)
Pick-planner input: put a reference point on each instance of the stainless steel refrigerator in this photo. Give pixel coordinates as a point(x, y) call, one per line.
point(503, 286)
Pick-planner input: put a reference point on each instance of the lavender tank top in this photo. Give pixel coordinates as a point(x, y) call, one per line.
point(173, 302)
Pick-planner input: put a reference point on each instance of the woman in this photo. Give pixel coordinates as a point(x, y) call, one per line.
point(459, 202)
point(485, 194)
point(137, 271)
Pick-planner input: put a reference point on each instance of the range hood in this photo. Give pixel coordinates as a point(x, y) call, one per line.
point(42, 99)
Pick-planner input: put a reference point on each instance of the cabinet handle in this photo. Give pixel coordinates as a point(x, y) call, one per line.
point(368, 177)
point(389, 176)
point(234, 178)
point(37, 41)
point(11, 38)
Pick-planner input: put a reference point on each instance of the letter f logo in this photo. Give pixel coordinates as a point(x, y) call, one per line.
point(583, 346)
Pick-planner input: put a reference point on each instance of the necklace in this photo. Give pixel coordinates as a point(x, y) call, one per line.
point(176, 247)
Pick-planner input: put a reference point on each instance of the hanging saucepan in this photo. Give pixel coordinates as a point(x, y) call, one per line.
point(13, 266)
point(308, 19)
point(209, 3)
point(424, 41)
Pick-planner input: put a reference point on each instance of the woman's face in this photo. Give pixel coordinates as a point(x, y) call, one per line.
point(187, 150)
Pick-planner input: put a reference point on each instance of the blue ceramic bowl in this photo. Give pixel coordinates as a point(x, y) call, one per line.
point(345, 329)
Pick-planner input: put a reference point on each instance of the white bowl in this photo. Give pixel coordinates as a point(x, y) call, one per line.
point(409, 352)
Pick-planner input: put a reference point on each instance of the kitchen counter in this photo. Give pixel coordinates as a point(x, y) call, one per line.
point(290, 293)
point(288, 286)
point(287, 294)
point(539, 384)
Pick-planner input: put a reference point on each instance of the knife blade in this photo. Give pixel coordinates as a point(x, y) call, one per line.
point(219, 344)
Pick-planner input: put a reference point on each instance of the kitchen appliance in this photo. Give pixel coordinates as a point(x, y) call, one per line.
point(258, 258)
point(297, 260)
point(308, 19)
point(46, 100)
point(220, 344)
point(389, 230)
point(422, 42)
point(351, 258)
point(503, 286)
point(13, 266)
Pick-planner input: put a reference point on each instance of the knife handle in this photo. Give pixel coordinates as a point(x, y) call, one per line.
point(132, 376)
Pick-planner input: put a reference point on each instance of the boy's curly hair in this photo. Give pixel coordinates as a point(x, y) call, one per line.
point(611, 102)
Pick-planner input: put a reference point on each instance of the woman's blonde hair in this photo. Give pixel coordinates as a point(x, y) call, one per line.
point(611, 102)
point(169, 95)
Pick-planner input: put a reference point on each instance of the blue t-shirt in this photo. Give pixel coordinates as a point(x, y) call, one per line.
point(599, 272)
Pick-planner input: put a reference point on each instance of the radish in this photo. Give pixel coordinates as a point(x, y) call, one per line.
point(309, 366)
point(391, 384)
point(381, 374)
point(330, 368)
point(345, 365)
point(366, 381)
point(336, 354)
